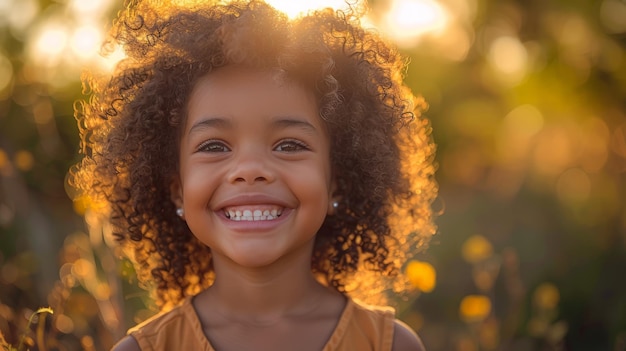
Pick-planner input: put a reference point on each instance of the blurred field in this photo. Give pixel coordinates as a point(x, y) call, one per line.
point(528, 108)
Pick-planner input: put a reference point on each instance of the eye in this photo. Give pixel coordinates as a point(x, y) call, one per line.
point(291, 145)
point(213, 146)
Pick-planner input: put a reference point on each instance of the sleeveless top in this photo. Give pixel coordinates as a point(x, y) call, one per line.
point(360, 327)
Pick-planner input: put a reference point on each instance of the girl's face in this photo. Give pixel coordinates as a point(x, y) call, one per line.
point(255, 177)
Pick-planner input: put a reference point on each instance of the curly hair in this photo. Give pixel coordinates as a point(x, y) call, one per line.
point(381, 148)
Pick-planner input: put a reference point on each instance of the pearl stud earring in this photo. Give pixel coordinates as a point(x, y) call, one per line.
point(180, 212)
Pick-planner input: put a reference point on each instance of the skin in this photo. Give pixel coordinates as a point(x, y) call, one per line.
point(254, 142)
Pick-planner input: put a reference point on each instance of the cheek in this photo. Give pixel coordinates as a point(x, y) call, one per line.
point(198, 184)
point(316, 184)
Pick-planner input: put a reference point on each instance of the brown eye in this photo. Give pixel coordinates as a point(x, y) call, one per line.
point(291, 146)
point(213, 146)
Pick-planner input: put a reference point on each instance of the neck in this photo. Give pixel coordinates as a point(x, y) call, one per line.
point(287, 287)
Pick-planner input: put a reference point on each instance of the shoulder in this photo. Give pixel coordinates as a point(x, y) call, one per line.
point(405, 339)
point(127, 344)
point(395, 334)
point(163, 329)
point(163, 320)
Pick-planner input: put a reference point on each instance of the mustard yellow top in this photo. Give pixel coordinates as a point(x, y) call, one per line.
point(360, 327)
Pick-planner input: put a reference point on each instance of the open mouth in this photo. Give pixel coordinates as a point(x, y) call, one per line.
point(255, 213)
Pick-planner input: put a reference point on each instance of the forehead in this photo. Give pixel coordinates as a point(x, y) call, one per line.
point(239, 81)
point(231, 91)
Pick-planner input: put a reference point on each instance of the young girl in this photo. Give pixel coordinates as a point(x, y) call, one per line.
point(262, 173)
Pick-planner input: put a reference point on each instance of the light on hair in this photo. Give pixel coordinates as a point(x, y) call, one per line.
point(294, 9)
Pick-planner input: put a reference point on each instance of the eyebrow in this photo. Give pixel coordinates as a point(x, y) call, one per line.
point(280, 122)
point(210, 122)
point(288, 122)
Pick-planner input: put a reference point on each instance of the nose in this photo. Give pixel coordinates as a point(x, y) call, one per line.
point(251, 165)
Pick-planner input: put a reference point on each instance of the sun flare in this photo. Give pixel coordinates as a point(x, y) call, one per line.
point(297, 8)
point(407, 20)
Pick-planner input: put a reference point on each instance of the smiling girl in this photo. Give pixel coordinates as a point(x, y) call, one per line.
point(268, 176)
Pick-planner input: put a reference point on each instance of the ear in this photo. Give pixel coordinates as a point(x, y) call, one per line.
point(176, 192)
point(333, 203)
point(333, 198)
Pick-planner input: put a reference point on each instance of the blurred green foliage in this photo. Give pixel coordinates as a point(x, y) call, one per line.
point(528, 108)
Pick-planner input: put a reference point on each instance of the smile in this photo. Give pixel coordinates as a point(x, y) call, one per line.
point(256, 213)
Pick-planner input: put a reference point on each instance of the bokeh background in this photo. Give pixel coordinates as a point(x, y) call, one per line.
point(528, 107)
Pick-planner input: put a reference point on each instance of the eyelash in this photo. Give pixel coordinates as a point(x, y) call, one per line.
point(219, 146)
point(299, 145)
point(209, 144)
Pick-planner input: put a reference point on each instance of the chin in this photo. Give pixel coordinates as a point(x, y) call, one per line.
point(253, 257)
point(254, 262)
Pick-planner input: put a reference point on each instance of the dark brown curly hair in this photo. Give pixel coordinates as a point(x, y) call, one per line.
point(381, 149)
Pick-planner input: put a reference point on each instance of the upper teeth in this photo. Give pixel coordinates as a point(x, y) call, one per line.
point(253, 215)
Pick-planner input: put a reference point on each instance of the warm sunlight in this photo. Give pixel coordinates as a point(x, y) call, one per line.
point(50, 44)
point(509, 56)
point(108, 62)
point(295, 8)
point(90, 7)
point(85, 41)
point(408, 20)
point(405, 21)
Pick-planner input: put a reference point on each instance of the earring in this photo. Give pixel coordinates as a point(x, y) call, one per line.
point(335, 204)
point(180, 212)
